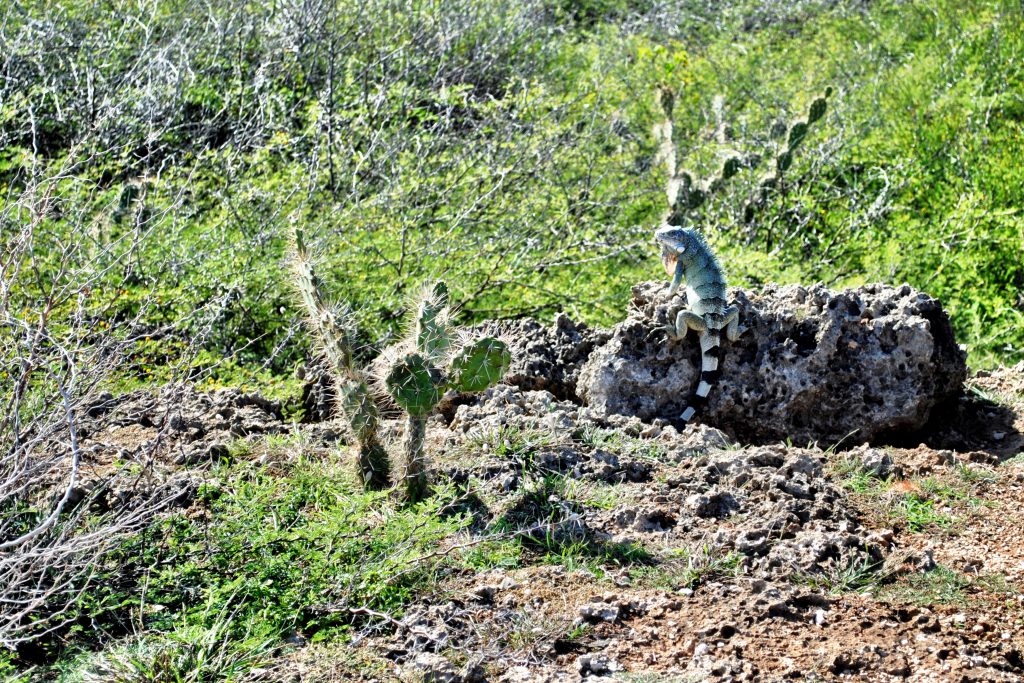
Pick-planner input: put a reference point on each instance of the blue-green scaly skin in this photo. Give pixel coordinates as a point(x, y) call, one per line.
point(686, 256)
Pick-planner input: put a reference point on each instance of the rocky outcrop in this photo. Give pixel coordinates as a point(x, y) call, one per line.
point(548, 358)
point(865, 364)
point(178, 424)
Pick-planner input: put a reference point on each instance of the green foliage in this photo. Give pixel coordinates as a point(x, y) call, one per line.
point(858, 575)
point(493, 554)
point(918, 182)
point(617, 442)
point(510, 443)
point(189, 654)
point(278, 551)
point(688, 568)
point(920, 504)
point(942, 585)
point(8, 671)
point(920, 513)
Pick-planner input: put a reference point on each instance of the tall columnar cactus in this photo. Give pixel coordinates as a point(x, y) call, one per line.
point(434, 359)
point(687, 194)
point(354, 397)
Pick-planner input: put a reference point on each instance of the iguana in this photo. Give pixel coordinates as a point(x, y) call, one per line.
point(687, 255)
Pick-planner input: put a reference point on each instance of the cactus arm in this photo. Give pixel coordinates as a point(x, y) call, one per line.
point(432, 333)
point(354, 399)
point(795, 134)
point(357, 406)
point(416, 481)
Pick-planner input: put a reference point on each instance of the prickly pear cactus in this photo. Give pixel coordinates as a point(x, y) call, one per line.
point(433, 363)
point(480, 365)
point(414, 384)
point(687, 194)
point(794, 136)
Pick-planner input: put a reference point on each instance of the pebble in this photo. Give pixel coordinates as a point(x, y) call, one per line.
point(600, 611)
point(596, 664)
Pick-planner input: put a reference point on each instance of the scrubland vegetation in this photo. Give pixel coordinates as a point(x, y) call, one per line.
point(157, 156)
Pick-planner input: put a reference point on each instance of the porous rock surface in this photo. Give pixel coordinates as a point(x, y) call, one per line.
point(548, 358)
point(863, 364)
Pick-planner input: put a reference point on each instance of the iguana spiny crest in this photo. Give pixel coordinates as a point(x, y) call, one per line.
point(686, 255)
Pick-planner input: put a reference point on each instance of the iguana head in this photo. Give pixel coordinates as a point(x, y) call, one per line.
point(675, 242)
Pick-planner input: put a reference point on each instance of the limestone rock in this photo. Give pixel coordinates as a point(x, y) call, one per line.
point(813, 365)
point(548, 358)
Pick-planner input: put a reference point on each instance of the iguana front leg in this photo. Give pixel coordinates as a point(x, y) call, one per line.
point(685, 321)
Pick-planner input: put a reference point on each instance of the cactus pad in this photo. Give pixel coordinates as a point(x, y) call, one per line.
point(432, 334)
point(414, 384)
point(730, 167)
point(817, 109)
point(784, 161)
point(797, 133)
point(480, 365)
point(358, 408)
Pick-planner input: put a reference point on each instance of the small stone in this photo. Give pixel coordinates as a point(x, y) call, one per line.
point(596, 665)
point(897, 665)
point(432, 668)
point(701, 650)
point(485, 594)
point(819, 617)
point(652, 432)
point(877, 462)
point(597, 612)
point(882, 537)
point(926, 562)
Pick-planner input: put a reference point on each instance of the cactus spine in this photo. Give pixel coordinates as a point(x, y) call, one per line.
point(435, 359)
point(354, 398)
